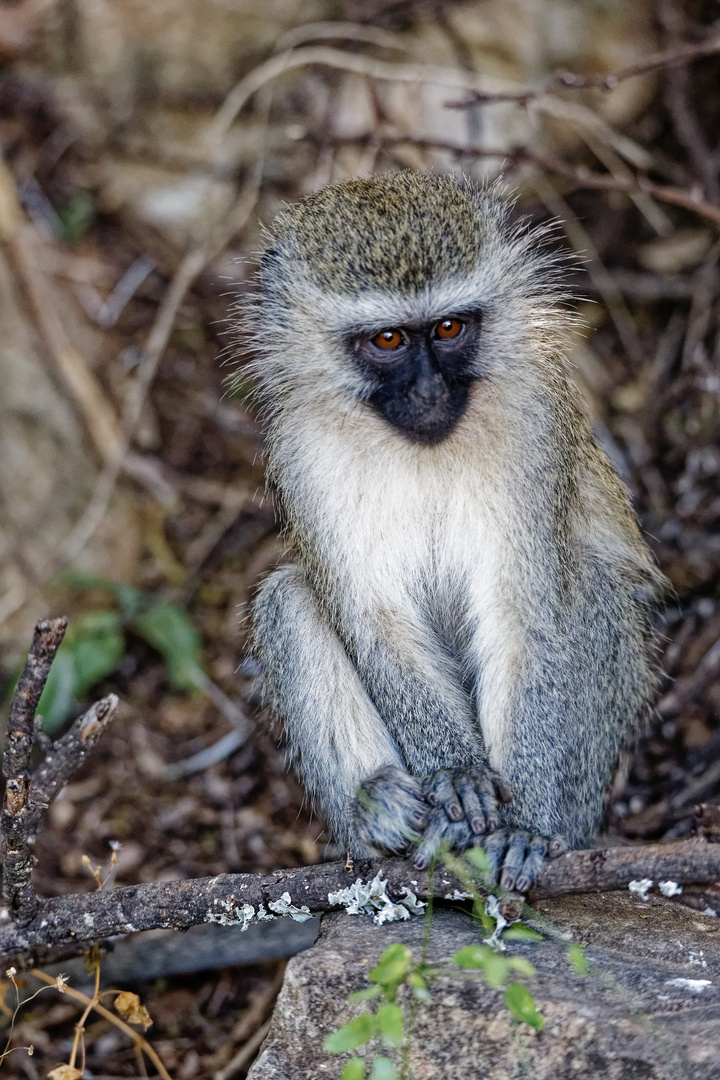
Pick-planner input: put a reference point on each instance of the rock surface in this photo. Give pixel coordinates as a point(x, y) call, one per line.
point(622, 1021)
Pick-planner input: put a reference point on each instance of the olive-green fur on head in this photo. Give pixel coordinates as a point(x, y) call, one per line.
point(399, 232)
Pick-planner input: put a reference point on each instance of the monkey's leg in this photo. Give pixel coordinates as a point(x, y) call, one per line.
point(342, 750)
point(560, 728)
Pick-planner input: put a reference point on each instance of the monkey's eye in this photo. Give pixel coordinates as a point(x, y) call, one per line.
point(388, 339)
point(448, 328)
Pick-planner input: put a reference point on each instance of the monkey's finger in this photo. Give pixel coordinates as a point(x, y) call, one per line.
point(474, 812)
point(504, 793)
point(533, 863)
point(439, 790)
point(493, 785)
point(494, 847)
point(514, 859)
point(432, 838)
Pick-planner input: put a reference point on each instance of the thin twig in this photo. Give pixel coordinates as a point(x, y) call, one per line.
point(245, 1054)
point(325, 56)
point(137, 1039)
point(580, 176)
point(65, 756)
point(678, 92)
point(677, 56)
point(191, 265)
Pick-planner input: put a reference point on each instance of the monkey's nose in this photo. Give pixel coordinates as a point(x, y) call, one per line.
point(429, 389)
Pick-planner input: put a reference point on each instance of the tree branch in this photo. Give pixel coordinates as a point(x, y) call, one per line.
point(70, 923)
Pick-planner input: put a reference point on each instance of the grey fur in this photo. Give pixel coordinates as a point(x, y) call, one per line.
point(461, 617)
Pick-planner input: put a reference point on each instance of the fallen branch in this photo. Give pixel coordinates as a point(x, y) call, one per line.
point(70, 923)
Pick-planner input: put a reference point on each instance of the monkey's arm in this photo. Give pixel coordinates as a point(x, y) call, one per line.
point(343, 751)
point(416, 686)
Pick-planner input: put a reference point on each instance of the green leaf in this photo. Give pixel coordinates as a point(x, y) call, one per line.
point(419, 986)
point(364, 995)
point(496, 970)
point(478, 858)
point(76, 216)
point(480, 913)
point(352, 1035)
point(383, 1069)
point(521, 965)
point(392, 966)
point(354, 1069)
point(130, 599)
point(97, 646)
point(522, 1005)
point(520, 932)
point(56, 701)
point(92, 649)
point(168, 629)
point(391, 1024)
point(473, 956)
point(578, 959)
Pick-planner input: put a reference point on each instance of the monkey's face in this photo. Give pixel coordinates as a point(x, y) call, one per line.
point(418, 376)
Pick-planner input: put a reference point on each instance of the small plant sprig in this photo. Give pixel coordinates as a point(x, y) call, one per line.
point(385, 1024)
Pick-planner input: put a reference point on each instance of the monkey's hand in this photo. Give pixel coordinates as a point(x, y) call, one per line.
point(389, 811)
point(464, 806)
point(516, 857)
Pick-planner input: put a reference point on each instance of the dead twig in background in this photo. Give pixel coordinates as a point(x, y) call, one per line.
point(324, 56)
point(579, 176)
point(92, 1003)
point(677, 56)
point(189, 268)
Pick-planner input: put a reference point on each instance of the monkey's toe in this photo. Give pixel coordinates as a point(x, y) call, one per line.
point(389, 812)
point(517, 857)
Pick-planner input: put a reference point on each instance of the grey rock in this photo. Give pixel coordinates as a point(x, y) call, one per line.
point(621, 1021)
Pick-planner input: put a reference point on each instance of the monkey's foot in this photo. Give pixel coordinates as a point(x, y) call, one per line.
point(470, 794)
point(517, 857)
point(389, 811)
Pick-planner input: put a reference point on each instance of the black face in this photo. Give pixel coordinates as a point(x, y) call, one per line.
point(422, 374)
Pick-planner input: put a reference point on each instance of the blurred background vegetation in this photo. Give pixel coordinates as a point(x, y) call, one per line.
point(143, 144)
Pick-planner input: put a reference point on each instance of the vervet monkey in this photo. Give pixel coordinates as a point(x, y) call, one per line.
point(458, 648)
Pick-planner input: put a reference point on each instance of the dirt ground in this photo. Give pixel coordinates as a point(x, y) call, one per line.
point(99, 227)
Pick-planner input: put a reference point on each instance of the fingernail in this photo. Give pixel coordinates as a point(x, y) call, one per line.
point(455, 812)
point(477, 825)
point(492, 824)
point(420, 863)
point(522, 884)
point(507, 880)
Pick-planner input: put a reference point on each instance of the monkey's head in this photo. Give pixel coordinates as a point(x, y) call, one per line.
point(396, 295)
